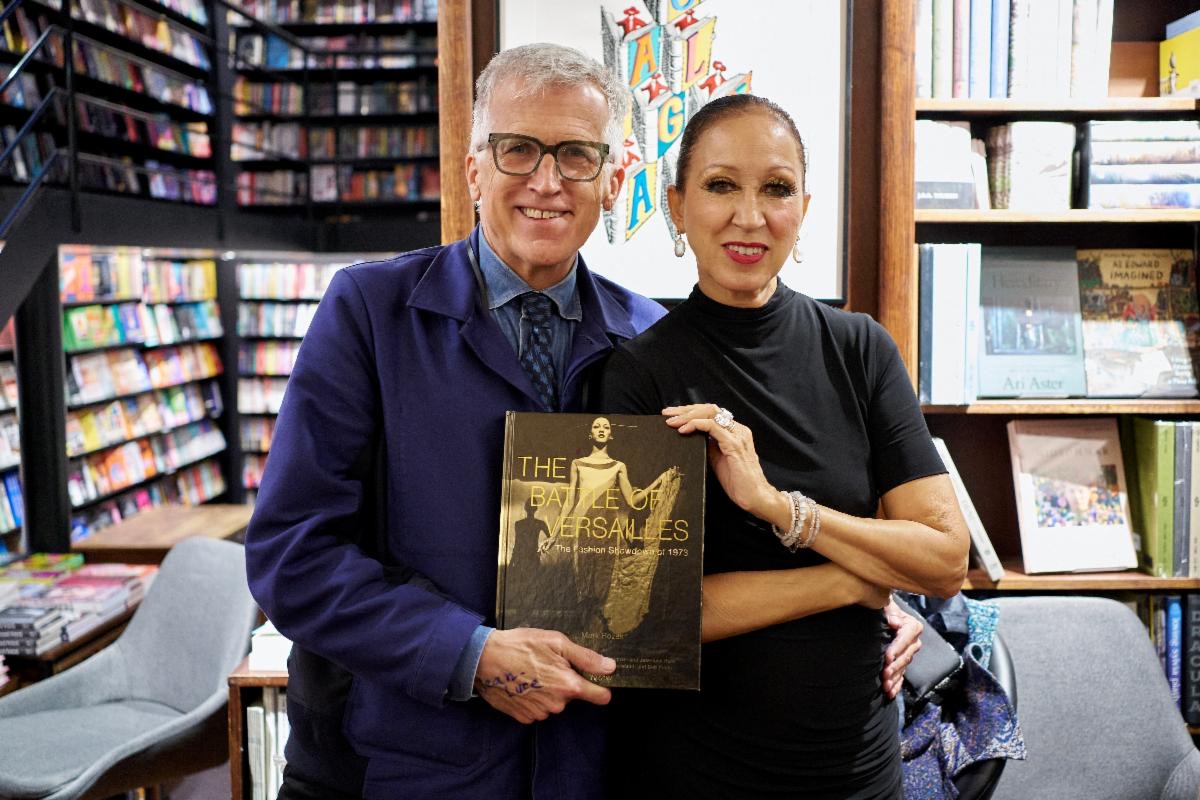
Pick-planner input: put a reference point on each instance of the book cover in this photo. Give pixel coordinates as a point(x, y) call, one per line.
point(1072, 507)
point(1031, 344)
point(981, 543)
point(1179, 65)
point(1190, 667)
point(1173, 639)
point(1141, 324)
point(1154, 460)
point(602, 536)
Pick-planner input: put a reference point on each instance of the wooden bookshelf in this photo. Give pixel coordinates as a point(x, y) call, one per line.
point(1015, 579)
point(1072, 216)
point(245, 685)
point(1063, 107)
point(1069, 406)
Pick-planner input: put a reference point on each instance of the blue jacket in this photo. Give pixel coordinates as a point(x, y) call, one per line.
point(402, 366)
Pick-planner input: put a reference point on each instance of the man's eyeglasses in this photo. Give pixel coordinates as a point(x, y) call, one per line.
point(519, 155)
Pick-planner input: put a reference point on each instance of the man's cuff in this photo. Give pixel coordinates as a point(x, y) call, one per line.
point(462, 680)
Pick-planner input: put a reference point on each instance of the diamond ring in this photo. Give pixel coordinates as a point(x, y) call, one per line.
point(724, 418)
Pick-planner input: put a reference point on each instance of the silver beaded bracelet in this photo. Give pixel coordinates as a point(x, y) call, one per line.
point(804, 510)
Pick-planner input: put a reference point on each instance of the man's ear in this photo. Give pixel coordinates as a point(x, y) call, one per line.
point(472, 171)
point(612, 187)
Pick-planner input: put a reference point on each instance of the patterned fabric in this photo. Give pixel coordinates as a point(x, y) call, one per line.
point(975, 723)
point(536, 354)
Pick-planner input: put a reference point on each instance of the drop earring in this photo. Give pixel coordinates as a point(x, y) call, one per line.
point(796, 256)
point(680, 245)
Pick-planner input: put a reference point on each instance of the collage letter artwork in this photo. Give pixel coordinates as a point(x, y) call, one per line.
point(664, 51)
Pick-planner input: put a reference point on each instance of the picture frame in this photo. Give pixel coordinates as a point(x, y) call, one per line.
point(678, 54)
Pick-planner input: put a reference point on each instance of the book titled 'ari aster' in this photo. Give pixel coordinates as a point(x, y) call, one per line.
point(602, 536)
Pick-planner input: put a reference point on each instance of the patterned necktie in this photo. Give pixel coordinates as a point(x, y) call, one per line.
point(535, 352)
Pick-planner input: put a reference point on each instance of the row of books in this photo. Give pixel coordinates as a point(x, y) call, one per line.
point(348, 51)
point(269, 357)
point(275, 319)
point(280, 280)
point(1013, 48)
point(330, 182)
point(273, 97)
point(62, 600)
point(89, 327)
point(192, 486)
point(267, 731)
point(24, 91)
point(152, 31)
point(273, 140)
point(195, 10)
point(12, 504)
point(88, 273)
point(34, 150)
point(97, 377)
point(280, 187)
point(100, 474)
point(166, 182)
point(1174, 625)
point(10, 441)
point(111, 66)
point(96, 427)
point(1141, 164)
point(373, 141)
point(1163, 494)
point(116, 122)
point(256, 433)
point(260, 395)
point(337, 11)
point(1055, 322)
point(1028, 165)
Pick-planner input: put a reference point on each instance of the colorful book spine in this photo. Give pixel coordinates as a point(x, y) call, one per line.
point(1001, 15)
point(1173, 637)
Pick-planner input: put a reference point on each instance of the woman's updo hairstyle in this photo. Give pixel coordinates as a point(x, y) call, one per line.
point(714, 111)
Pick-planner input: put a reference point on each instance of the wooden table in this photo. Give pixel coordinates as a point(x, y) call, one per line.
point(146, 537)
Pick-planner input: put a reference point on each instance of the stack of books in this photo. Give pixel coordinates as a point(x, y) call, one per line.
point(1142, 164)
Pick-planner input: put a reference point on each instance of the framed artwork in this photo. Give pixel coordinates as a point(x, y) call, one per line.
point(675, 56)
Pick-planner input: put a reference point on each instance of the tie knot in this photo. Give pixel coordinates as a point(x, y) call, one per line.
point(536, 307)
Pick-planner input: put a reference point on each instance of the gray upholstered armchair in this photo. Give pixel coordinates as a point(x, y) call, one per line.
point(1097, 715)
point(148, 707)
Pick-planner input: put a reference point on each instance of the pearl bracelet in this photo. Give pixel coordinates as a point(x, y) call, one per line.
point(799, 535)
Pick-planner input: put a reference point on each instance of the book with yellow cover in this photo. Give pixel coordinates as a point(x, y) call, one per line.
point(602, 536)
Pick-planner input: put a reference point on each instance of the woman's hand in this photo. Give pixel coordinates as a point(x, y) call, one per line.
point(734, 461)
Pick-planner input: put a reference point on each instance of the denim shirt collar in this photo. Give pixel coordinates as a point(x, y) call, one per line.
point(503, 284)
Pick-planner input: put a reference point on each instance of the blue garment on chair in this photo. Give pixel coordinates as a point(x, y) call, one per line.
point(974, 723)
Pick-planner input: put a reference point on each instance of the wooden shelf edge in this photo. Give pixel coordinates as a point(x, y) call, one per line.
point(1066, 406)
point(1017, 580)
point(1071, 216)
point(1102, 105)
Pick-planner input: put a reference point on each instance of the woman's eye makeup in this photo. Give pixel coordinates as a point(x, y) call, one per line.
point(780, 188)
point(719, 184)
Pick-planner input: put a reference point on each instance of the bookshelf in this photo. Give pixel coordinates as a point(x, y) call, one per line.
point(278, 294)
point(246, 686)
point(143, 402)
point(975, 432)
point(337, 104)
point(144, 98)
point(11, 500)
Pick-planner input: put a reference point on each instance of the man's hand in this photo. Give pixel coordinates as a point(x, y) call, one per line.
point(902, 649)
point(529, 673)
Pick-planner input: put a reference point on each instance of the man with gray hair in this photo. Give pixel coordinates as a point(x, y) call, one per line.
point(373, 544)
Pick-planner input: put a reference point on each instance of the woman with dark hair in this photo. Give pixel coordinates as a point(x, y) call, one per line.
point(827, 491)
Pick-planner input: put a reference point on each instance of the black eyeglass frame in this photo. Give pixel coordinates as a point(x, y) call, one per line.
point(543, 149)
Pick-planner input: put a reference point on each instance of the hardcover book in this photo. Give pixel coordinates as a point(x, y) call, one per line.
point(602, 537)
point(981, 543)
point(1031, 344)
point(1072, 505)
point(1141, 325)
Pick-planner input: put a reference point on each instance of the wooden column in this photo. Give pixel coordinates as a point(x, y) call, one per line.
point(897, 268)
point(455, 92)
